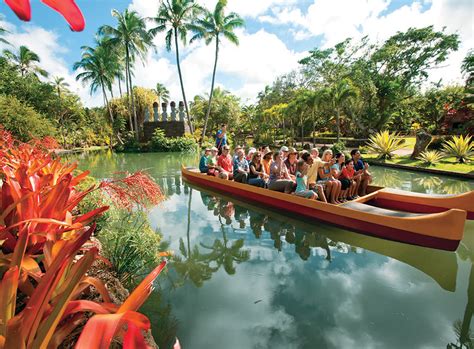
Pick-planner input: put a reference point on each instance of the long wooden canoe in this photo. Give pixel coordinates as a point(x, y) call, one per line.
point(442, 230)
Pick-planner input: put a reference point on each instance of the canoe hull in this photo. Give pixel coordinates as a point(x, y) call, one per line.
point(377, 229)
point(423, 203)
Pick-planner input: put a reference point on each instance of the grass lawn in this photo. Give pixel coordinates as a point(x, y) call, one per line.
point(447, 164)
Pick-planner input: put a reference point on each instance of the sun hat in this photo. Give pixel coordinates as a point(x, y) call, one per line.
point(267, 152)
point(284, 148)
point(214, 149)
point(292, 151)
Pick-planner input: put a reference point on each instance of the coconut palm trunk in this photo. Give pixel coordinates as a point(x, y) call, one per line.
point(107, 103)
point(181, 81)
point(128, 97)
point(134, 110)
point(338, 126)
point(212, 90)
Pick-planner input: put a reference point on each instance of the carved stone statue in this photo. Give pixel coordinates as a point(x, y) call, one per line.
point(423, 139)
point(164, 107)
point(156, 116)
point(181, 111)
point(147, 114)
point(173, 111)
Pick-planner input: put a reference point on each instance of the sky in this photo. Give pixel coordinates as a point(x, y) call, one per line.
point(278, 33)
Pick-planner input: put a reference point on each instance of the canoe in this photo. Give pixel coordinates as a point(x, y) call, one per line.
point(443, 230)
point(423, 203)
point(444, 271)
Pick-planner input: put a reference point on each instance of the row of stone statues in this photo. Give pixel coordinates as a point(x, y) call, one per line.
point(175, 115)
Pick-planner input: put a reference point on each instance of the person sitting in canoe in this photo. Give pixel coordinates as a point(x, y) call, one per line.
point(256, 174)
point(336, 171)
point(204, 160)
point(284, 152)
point(291, 161)
point(348, 173)
point(225, 162)
point(214, 168)
point(267, 161)
point(250, 154)
point(236, 151)
point(312, 176)
point(362, 168)
point(241, 167)
point(279, 177)
point(331, 185)
point(302, 188)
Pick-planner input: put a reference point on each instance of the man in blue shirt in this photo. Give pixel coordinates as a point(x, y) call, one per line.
point(221, 138)
point(203, 167)
point(361, 167)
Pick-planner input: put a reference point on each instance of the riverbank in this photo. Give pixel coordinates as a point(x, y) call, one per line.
point(79, 150)
point(446, 167)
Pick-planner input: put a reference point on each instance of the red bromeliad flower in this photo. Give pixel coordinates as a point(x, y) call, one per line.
point(67, 8)
point(134, 189)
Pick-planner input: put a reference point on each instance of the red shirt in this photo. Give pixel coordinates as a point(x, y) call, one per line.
point(226, 163)
point(347, 173)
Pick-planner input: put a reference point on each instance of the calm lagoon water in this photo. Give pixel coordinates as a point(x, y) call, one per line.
point(247, 277)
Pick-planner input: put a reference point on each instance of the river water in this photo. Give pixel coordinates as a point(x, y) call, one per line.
point(247, 277)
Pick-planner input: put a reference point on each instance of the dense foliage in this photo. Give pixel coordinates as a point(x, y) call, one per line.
point(358, 88)
point(32, 107)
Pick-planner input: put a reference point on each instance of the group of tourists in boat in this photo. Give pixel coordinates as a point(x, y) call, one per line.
point(330, 178)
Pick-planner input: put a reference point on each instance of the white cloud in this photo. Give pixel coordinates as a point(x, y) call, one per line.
point(336, 20)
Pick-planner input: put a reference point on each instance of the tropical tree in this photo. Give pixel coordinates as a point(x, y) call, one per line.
point(132, 36)
point(25, 61)
point(162, 93)
point(59, 85)
point(3, 31)
point(337, 94)
point(175, 17)
point(98, 69)
point(213, 27)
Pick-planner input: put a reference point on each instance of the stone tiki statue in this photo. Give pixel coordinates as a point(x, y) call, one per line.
point(173, 111)
point(164, 107)
point(156, 115)
point(181, 111)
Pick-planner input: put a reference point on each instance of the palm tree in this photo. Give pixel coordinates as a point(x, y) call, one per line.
point(175, 17)
point(162, 92)
point(131, 36)
point(59, 85)
point(25, 60)
point(212, 27)
point(336, 95)
point(3, 31)
point(98, 69)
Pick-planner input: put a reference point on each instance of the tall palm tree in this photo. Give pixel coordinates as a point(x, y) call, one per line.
point(59, 85)
point(98, 69)
point(162, 93)
point(175, 17)
point(337, 95)
point(132, 36)
point(26, 61)
point(213, 27)
point(3, 31)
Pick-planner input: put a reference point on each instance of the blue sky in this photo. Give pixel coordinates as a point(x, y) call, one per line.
point(278, 33)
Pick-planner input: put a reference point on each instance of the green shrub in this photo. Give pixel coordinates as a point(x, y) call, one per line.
point(385, 144)
point(159, 142)
point(130, 143)
point(430, 157)
point(338, 147)
point(460, 147)
point(22, 120)
point(130, 244)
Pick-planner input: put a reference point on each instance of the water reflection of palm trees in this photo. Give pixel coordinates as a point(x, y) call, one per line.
point(462, 328)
